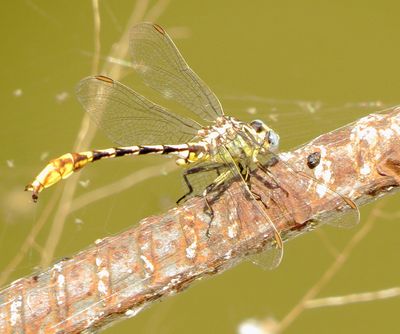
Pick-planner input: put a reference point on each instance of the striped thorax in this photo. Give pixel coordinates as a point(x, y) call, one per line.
point(242, 141)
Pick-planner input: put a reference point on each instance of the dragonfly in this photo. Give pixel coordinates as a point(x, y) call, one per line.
point(223, 148)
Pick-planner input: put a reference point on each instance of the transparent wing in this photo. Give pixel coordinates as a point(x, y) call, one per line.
point(129, 118)
point(315, 202)
point(156, 58)
point(291, 197)
point(272, 257)
point(299, 198)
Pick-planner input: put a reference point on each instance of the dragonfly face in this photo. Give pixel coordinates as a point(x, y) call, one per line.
point(264, 136)
point(224, 150)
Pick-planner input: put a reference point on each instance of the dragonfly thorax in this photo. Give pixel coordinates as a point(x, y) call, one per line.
point(243, 141)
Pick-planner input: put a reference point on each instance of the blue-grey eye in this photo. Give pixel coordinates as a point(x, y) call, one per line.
point(257, 125)
point(273, 138)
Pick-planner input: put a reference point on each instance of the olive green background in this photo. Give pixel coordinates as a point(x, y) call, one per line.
point(263, 56)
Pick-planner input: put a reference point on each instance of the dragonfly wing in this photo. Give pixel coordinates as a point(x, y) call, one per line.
point(334, 208)
point(272, 257)
point(156, 58)
point(128, 118)
point(269, 259)
point(347, 212)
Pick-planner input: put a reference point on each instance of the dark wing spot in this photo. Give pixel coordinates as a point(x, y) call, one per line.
point(159, 29)
point(105, 79)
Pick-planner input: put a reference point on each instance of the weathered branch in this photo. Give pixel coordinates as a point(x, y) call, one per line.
point(162, 255)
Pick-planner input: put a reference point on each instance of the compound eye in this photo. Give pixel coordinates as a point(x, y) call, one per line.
point(257, 125)
point(273, 138)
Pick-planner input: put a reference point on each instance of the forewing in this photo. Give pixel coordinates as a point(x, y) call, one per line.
point(128, 118)
point(156, 58)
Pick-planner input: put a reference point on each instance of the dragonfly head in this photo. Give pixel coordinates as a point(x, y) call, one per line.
point(265, 136)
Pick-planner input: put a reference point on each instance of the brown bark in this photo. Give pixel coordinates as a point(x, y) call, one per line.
point(162, 255)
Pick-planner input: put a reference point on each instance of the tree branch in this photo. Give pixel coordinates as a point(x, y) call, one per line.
point(120, 275)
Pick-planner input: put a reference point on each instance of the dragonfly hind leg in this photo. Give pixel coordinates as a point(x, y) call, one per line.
point(202, 169)
point(208, 203)
point(201, 180)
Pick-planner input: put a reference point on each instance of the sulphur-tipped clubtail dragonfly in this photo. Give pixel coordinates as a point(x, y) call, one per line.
point(224, 149)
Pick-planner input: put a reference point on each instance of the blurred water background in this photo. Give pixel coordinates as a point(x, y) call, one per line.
point(304, 67)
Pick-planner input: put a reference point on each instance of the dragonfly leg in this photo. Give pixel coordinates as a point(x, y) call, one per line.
point(189, 185)
point(208, 203)
point(210, 212)
point(195, 170)
point(274, 183)
point(245, 171)
point(218, 173)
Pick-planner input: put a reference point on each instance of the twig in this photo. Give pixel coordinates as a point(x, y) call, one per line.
point(354, 298)
point(29, 241)
point(86, 134)
point(121, 185)
point(122, 274)
point(329, 273)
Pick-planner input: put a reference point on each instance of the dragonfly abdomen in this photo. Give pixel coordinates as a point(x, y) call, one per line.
point(65, 165)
